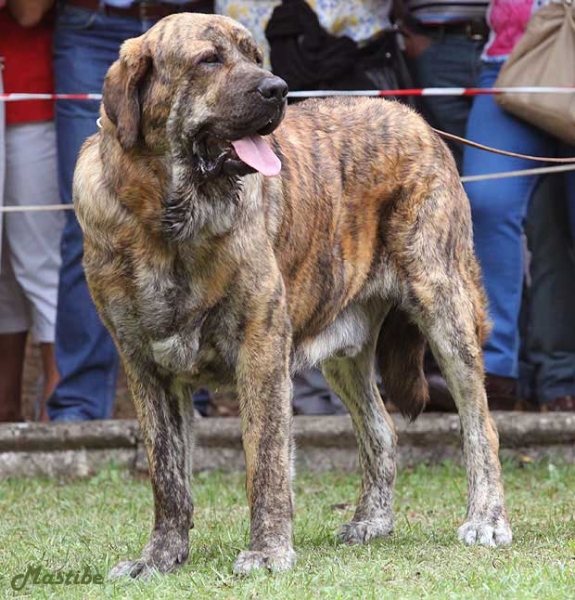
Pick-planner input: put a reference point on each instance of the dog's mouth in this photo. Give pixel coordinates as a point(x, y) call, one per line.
point(254, 151)
point(217, 152)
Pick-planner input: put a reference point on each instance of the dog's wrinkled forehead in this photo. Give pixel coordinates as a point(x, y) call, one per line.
point(182, 37)
point(183, 55)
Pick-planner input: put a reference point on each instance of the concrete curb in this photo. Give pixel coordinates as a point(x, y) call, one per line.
point(82, 448)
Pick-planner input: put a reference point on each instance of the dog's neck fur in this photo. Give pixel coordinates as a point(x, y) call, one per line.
point(180, 204)
point(198, 207)
point(203, 203)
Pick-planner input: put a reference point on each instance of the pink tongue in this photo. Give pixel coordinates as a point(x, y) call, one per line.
point(256, 153)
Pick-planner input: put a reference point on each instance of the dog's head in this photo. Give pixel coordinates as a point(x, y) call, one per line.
point(194, 84)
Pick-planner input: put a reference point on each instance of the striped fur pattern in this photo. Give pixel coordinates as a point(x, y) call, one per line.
point(208, 274)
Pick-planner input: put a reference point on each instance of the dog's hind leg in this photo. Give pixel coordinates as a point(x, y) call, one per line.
point(165, 413)
point(353, 379)
point(450, 312)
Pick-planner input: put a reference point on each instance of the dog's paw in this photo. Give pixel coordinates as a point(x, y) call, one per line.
point(273, 560)
point(359, 532)
point(136, 569)
point(165, 552)
point(486, 533)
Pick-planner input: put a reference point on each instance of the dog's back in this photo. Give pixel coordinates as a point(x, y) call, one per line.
point(361, 179)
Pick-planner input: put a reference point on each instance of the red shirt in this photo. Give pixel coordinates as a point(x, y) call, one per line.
point(27, 54)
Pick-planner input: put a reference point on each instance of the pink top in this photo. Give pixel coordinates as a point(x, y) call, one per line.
point(507, 20)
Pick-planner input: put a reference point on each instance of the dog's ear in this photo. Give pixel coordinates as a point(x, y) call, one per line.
point(121, 90)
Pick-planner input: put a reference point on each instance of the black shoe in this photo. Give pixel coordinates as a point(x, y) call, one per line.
point(564, 403)
point(501, 392)
point(440, 399)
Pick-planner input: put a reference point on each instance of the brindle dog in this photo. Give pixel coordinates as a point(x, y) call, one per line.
point(209, 273)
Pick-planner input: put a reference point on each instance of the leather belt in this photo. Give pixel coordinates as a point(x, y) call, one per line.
point(144, 11)
point(475, 30)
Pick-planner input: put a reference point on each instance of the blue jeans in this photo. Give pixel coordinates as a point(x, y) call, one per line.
point(86, 43)
point(452, 60)
point(499, 207)
point(547, 370)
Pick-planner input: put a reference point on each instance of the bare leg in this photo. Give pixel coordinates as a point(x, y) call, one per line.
point(12, 351)
point(353, 379)
point(51, 376)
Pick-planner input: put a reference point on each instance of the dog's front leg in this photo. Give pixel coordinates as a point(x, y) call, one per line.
point(265, 393)
point(165, 413)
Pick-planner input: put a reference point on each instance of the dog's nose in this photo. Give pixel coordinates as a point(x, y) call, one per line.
point(273, 88)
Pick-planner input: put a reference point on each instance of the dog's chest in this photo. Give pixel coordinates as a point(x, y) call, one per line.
point(181, 325)
point(164, 299)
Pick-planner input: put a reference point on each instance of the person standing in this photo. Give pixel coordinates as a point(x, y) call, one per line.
point(547, 360)
point(88, 37)
point(443, 44)
point(499, 208)
point(30, 257)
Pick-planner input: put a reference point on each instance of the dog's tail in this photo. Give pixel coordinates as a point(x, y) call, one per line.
point(400, 352)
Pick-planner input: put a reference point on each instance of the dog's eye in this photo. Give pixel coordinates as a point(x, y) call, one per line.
point(210, 59)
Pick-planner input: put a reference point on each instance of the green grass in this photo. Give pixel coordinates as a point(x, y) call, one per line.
point(105, 519)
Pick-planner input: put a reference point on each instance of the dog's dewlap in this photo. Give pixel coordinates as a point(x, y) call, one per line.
point(255, 152)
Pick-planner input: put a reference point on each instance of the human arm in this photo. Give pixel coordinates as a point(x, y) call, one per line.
point(29, 13)
point(415, 41)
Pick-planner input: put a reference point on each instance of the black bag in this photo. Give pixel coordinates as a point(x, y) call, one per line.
point(383, 63)
point(309, 58)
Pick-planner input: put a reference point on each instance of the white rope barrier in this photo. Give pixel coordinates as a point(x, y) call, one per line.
point(521, 173)
point(431, 91)
point(440, 91)
point(467, 179)
point(35, 208)
point(16, 97)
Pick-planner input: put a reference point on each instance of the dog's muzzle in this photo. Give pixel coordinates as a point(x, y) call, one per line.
point(273, 90)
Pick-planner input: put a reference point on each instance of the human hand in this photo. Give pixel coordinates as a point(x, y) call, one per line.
point(29, 13)
point(415, 43)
